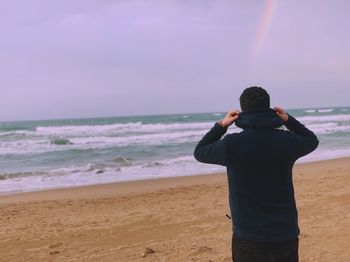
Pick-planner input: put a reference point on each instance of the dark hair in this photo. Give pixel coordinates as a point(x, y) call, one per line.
point(254, 97)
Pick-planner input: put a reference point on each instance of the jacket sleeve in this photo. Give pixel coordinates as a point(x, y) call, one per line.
point(306, 140)
point(211, 149)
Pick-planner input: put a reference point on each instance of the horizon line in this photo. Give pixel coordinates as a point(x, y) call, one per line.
point(151, 114)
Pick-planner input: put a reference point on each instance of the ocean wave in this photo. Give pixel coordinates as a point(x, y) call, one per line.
point(328, 128)
point(20, 175)
point(325, 118)
point(44, 145)
point(15, 133)
point(69, 154)
point(24, 146)
point(328, 110)
point(101, 168)
point(120, 164)
point(146, 139)
point(90, 174)
point(85, 139)
point(97, 173)
point(310, 111)
point(321, 110)
point(60, 141)
point(114, 130)
point(136, 127)
point(86, 129)
point(10, 128)
point(84, 169)
point(121, 160)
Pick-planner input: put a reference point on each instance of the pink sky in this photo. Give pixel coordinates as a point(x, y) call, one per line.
point(100, 58)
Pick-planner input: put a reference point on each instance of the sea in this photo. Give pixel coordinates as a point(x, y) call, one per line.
point(46, 154)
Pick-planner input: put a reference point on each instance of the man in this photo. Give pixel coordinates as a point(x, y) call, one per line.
point(259, 162)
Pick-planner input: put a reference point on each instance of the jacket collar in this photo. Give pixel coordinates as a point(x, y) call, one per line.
point(259, 119)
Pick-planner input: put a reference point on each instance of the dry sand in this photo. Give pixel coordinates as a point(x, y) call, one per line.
point(177, 219)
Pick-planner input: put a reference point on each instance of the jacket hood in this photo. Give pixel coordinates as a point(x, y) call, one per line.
point(259, 118)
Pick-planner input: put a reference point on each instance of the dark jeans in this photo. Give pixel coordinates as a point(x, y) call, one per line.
point(252, 251)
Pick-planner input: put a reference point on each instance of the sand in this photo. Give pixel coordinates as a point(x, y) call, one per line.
point(176, 219)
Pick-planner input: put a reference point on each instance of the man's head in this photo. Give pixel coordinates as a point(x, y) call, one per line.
point(254, 98)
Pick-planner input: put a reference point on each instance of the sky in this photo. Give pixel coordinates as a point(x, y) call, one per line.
point(90, 58)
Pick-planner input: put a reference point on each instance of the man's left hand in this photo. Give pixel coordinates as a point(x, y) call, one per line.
point(230, 118)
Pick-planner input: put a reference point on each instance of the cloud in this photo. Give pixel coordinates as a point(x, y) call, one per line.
point(90, 58)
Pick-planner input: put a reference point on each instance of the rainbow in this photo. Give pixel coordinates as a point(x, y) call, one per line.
point(263, 28)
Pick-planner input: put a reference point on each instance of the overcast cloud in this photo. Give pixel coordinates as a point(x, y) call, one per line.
point(65, 59)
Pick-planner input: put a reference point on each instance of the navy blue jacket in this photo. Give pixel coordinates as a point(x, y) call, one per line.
point(259, 162)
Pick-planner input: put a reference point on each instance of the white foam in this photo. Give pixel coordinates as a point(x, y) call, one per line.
point(326, 118)
point(324, 154)
point(147, 139)
point(86, 175)
point(328, 128)
point(26, 147)
point(119, 128)
point(325, 110)
point(43, 145)
point(86, 129)
point(310, 111)
point(19, 132)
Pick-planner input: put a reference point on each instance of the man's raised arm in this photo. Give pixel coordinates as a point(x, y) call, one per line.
point(307, 140)
point(211, 149)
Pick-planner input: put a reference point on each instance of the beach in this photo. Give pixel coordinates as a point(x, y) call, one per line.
point(110, 114)
point(167, 219)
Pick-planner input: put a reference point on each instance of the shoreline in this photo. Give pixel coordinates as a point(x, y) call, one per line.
point(114, 188)
point(133, 186)
point(168, 219)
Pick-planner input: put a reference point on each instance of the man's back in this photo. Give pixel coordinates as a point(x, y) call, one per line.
point(259, 163)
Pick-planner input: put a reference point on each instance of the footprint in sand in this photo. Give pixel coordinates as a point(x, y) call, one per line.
point(201, 250)
point(54, 252)
point(54, 246)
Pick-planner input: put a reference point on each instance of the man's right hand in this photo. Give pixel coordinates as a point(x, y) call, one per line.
point(281, 113)
point(230, 118)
